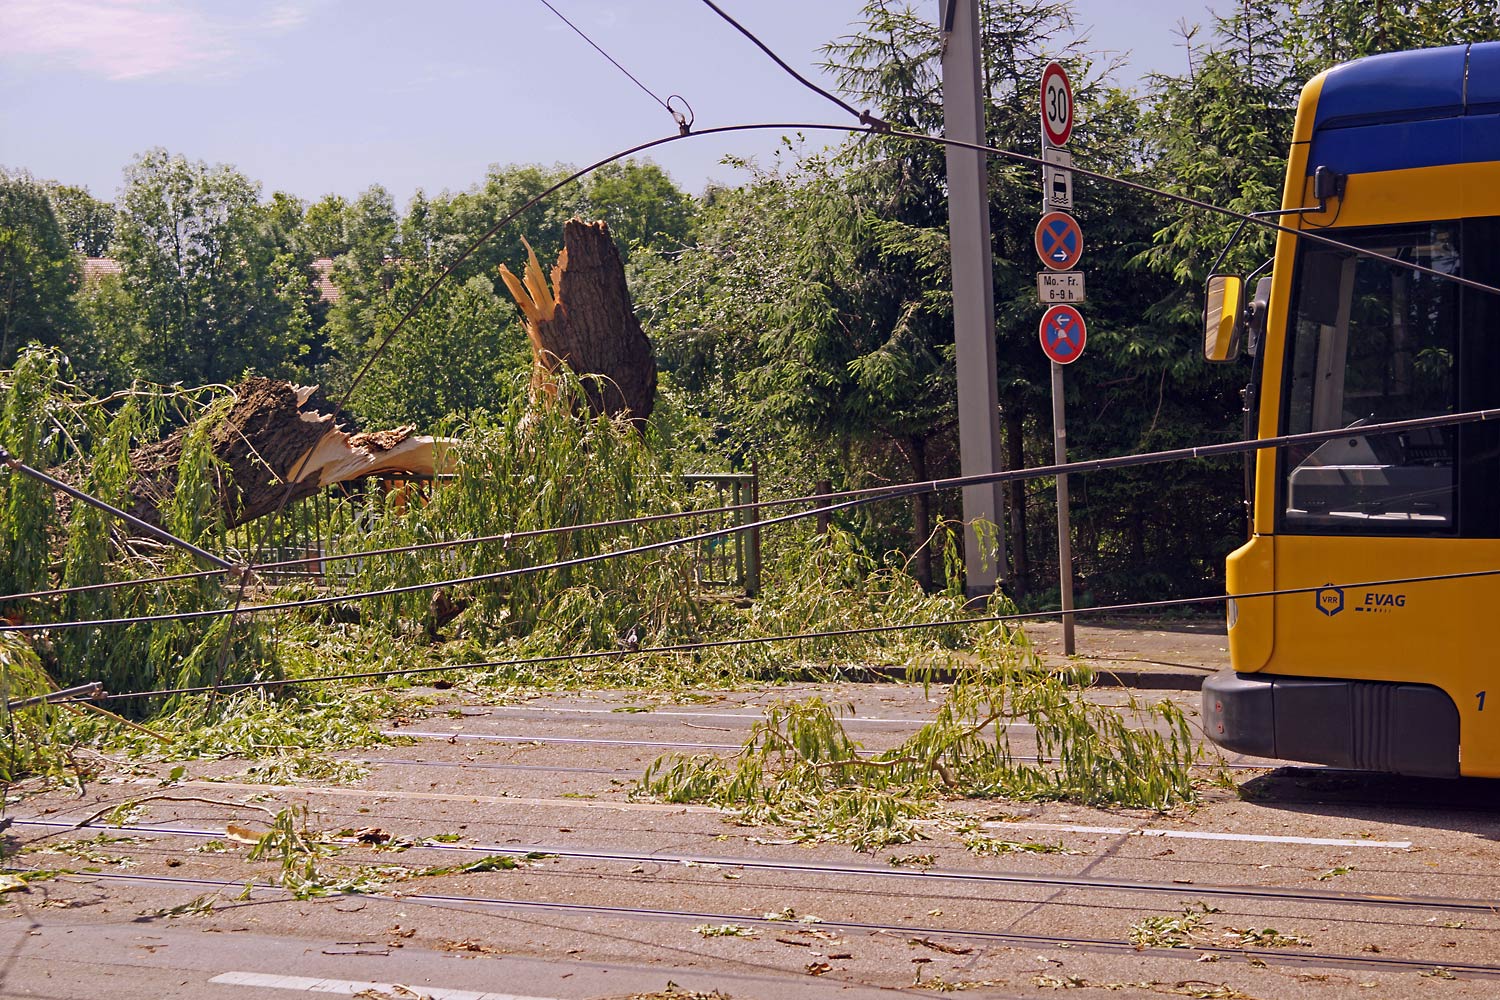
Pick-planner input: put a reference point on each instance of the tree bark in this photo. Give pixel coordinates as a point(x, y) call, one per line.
point(277, 447)
point(586, 322)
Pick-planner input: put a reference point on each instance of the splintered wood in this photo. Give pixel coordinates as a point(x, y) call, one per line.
point(585, 321)
point(277, 446)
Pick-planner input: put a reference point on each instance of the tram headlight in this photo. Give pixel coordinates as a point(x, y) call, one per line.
point(1232, 611)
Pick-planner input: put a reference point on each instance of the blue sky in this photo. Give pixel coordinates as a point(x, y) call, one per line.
point(320, 96)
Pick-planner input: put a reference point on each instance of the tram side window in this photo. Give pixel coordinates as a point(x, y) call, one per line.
point(1371, 343)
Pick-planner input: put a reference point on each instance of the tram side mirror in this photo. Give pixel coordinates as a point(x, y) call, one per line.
point(1223, 302)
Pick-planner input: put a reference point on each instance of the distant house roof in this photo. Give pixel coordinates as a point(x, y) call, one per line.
point(95, 268)
point(327, 290)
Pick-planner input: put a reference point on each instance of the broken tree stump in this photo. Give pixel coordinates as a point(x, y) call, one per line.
point(277, 448)
point(587, 323)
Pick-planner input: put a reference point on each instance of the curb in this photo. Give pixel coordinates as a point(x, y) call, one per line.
point(1143, 680)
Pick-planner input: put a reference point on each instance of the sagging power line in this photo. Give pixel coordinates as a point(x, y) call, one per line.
point(854, 498)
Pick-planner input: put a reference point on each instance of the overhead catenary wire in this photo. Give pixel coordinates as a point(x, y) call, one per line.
point(613, 61)
point(711, 644)
point(432, 286)
point(858, 498)
point(875, 124)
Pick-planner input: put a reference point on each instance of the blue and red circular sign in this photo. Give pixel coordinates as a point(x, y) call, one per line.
point(1063, 334)
point(1059, 240)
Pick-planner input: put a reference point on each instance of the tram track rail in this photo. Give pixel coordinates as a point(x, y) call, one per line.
point(908, 875)
point(599, 741)
point(485, 904)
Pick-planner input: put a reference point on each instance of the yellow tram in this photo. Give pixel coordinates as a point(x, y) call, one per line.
point(1397, 154)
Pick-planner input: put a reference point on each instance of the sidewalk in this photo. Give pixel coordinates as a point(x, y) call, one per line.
point(1166, 653)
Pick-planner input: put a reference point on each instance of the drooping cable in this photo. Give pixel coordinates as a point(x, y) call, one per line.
point(856, 498)
point(613, 61)
point(865, 118)
point(692, 647)
point(145, 527)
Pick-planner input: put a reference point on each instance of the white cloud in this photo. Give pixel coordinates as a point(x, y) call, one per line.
point(132, 39)
point(285, 16)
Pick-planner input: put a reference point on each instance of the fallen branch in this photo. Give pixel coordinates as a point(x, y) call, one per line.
point(131, 803)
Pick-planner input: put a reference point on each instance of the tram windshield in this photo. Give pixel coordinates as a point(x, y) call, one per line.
point(1370, 343)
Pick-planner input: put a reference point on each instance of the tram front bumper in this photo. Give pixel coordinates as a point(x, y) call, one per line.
point(1366, 725)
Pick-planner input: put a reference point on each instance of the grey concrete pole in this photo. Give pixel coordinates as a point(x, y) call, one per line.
point(973, 297)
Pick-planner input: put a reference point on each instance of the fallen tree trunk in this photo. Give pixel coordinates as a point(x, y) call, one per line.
point(586, 322)
point(278, 447)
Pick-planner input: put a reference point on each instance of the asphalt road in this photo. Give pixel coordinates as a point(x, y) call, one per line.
point(1319, 884)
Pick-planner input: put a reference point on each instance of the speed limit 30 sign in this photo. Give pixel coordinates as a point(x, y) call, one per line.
point(1057, 105)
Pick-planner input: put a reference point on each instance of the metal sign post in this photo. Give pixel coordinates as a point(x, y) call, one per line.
point(1059, 244)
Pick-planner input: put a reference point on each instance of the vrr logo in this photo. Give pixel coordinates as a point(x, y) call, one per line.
point(1330, 599)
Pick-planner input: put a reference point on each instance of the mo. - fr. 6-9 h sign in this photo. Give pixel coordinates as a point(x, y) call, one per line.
point(1057, 105)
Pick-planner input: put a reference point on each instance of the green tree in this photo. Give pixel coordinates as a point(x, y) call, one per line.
point(213, 285)
point(87, 222)
point(640, 204)
point(441, 228)
point(365, 273)
point(38, 273)
point(325, 227)
point(458, 354)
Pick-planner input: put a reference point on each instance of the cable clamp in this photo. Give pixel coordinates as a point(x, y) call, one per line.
point(684, 120)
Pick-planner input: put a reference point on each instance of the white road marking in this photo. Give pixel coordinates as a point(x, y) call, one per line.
point(389, 793)
point(350, 988)
point(1249, 838)
point(455, 736)
point(859, 720)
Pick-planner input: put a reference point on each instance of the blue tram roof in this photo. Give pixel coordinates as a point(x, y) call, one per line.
point(1400, 110)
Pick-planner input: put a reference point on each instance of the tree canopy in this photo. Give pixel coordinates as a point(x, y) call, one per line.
point(801, 318)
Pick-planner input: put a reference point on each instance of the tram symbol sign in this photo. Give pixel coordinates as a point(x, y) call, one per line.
point(1063, 334)
point(1057, 179)
point(1059, 241)
point(1057, 105)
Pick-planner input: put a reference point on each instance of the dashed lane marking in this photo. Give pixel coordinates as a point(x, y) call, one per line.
point(390, 793)
point(1250, 838)
point(351, 988)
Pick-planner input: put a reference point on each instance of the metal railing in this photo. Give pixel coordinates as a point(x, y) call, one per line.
point(733, 560)
point(310, 529)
